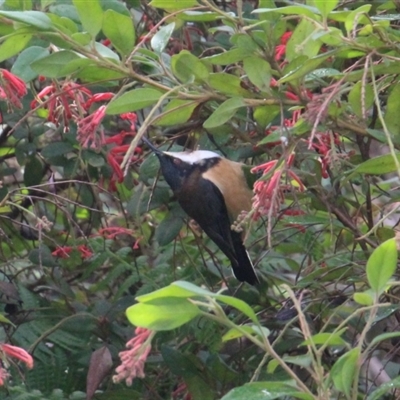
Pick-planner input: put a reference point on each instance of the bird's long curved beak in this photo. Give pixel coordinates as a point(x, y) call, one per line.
point(152, 147)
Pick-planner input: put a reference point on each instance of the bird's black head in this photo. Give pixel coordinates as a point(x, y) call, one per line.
point(177, 167)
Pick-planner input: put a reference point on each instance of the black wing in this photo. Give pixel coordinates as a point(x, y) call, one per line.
point(207, 207)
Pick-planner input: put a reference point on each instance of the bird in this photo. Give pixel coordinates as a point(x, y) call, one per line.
point(213, 191)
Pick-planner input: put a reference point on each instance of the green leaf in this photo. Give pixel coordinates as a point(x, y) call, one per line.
point(53, 65)
point(344, 370)
point(120, 30)
point(378, 135)
point(93, 159)
point(224, 112)
point(180, 364)
point(232, 301)
point(376, 166)
point(5, 320)
point(384, 388)
point(245, 41)
point(199, 16)
point(56, 149)
point(365, 299)
point(42, 256)
point(76, 66)
point(92, 19)
point(93, 73)
point(33, 172)
point(162, 314)
point(266, 391)
point(300, 42)
point(13, 45)
point(187, 290)
point(392, 114)
point(173, 5)
point(82, 38)
point(229, 57)
point(235, 333)
point(259, 72)
point(175, 289)
point(21, 66)
point(133, 100)
point(384, 336)
point(160, 40)
point(191, 369)
point(106, 52)
point(273, 137)
point(327, 339)
point(302, 9)
point(356, 17)
point(381, 265)
point(305, 68)
point(325, 6)
point(186, 66)
point(168, 229)
point(228, 84)
point(356, 101)
point(176, 112)
point(264, 115)
point(198, 388)
point(239, 305)
point(64, 24)
point(34, 18)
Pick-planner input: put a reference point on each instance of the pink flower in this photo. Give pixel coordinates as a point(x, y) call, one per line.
point(269, 193)
point(63, 104)
point(280, 49)
point(64, 251)
point(115, 157)
point(133, 360)
point(98, 97)
point(112, 231)
point(322, 145)
point(18, 353)
point(12, 88)
point(3, 376)
point(132, 117)
point(88, 127)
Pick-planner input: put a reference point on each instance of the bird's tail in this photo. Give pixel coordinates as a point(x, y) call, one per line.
point(242, 266)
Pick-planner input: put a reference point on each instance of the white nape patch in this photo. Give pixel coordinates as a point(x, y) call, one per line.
point(193, 157)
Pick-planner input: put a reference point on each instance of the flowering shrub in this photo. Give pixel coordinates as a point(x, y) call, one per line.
point(305, 95)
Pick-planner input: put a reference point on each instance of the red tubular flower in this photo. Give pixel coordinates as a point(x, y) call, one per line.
point(112, 231)
point(63, 104)
point(12, 88)
point(132, 117)
point(119, 138)
point(3, 376)
point(98, 97)
point(64, 252)
point(293, 213)
point(322, 144)
point(280, 49)
point(18, 353)
point(116, 167)
point(136, 244)
point(85, 251)
point(269, 194)
point(87, 129)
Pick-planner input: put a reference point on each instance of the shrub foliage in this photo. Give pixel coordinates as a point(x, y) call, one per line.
point(306, 93)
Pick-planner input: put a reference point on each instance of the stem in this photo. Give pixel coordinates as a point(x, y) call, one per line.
point(265, 344)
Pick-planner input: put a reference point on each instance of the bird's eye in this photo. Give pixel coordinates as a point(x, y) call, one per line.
point(177, 161)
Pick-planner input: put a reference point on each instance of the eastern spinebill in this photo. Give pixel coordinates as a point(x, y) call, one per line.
point(213, 191)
